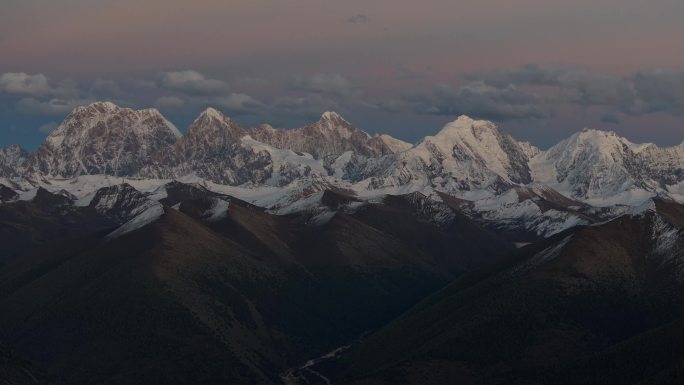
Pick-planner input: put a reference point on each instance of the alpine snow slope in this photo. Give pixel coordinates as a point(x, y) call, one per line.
point(470, 165)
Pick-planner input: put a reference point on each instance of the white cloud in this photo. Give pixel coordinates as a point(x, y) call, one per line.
point(20, 83)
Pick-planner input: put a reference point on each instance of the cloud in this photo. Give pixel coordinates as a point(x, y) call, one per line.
point(57, 107)
point(169, 102)
point(640, 93)
point(308, 107)
point(48, 127)
point(358, 19)
point(576, 85)
point(478, 100)
point(191, 82)
point(238, 103)
point(334, 84)
point(20, 83)
point(658, 91)
point(23, 84)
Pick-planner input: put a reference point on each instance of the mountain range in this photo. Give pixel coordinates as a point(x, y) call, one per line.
point(134, 254)
point(591, 175)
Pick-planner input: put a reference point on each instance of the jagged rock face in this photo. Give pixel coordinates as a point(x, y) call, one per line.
point(665, 166)
point(331, 136)
point(211, 134)
point(529, 149)
point(121, 202)
point(599, 164)
point(103, 138)
point(465, 155)
point(11, 159)
point(212, 150)
point(591, 163)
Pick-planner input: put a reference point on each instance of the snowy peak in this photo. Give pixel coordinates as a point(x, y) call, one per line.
point(333, 122)
point(331, 116)
point(214, 114)
point(329, 137)
point(212, 129)
point(99, 116)
point(463, 123)
point(602, 167)
point(103, 138)
point(591, 145)
point(477, 150)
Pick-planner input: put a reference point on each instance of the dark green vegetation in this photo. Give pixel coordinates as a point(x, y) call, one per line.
point(593, 305)
point(238, 300)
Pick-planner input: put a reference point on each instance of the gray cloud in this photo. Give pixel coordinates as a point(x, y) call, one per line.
point(358, 19)
point(238, 103)
point(478, 100)
point(641, 93)
point(576, 85)
point(333, 84)
point(191, 82)
point(308, 107)
point(657, 91)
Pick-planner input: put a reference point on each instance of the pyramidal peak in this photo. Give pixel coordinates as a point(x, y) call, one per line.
point(465, 124)
point(214, 113)
point(330, 115)
point(333, 117)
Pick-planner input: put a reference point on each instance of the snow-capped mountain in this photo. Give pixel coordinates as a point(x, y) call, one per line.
point(589, 164)
point(470, 166)
point(330, 137)
point(103, 138)
point(603, 168)
point(466, 155)
point(212, 150)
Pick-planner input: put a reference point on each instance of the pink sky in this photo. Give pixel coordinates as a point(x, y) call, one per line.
point(394, 47)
